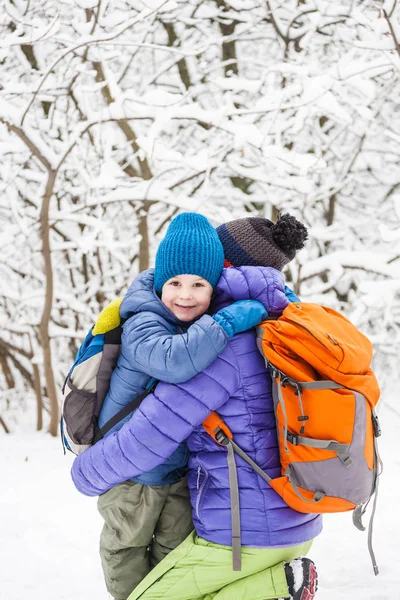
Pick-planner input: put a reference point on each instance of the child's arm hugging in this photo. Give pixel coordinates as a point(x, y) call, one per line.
point(176, 357)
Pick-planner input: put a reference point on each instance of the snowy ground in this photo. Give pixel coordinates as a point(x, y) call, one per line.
point(49, 533)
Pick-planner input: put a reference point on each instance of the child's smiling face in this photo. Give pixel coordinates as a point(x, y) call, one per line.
point(187, 296)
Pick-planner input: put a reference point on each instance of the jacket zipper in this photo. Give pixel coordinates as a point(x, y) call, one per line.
point(200, 488)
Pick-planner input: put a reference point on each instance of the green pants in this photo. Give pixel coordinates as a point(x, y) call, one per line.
point(142, 524)
point(201, 570)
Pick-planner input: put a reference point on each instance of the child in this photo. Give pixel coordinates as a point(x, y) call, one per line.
point(167, 336)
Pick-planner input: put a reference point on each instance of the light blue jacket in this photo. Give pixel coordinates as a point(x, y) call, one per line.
point(157, 345)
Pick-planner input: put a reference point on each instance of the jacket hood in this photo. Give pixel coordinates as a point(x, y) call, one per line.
point(265, 284)
point(142, 297)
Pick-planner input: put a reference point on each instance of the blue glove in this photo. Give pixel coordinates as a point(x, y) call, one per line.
point(240, 316)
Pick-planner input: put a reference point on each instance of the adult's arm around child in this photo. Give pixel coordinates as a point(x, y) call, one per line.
point(165, 419)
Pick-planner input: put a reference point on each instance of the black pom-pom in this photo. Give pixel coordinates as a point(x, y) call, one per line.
point(289, 234)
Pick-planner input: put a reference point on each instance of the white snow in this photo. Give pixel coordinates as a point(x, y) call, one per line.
point(49, 532)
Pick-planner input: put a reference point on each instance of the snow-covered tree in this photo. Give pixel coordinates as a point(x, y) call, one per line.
point(116, 115)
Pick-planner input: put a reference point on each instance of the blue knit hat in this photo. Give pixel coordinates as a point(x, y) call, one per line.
point(191, 246)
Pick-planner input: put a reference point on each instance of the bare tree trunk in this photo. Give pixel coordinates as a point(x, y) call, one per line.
point(7, 350)
point(330, 214)
point(9, 380)
point(2, 423)
point(38, 392)
point(144, 254)
point(48, 304)
point(10, 383)
point(227, 28)
point(39, 401)
point(6, 370)
point(182, 64)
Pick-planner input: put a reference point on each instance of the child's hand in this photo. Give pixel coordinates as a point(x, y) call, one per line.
point(240, 316)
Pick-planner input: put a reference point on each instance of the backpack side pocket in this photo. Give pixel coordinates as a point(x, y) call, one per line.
point(80, 406)
point(79, 414)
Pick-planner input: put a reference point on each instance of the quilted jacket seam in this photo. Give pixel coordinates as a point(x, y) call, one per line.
point(162, 433)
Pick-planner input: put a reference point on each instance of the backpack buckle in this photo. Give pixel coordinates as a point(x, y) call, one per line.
point(273, 370)
point(297, 391)
point(221, 437)
point(376, 425)
point(284, 381)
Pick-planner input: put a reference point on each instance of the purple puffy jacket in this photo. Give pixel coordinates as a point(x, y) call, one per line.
point(239, 387)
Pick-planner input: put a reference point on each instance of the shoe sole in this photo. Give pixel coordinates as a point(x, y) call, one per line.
point(311, 582)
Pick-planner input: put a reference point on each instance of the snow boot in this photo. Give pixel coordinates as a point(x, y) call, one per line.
point(302, 579)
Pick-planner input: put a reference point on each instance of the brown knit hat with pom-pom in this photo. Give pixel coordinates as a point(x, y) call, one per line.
point(259, 242)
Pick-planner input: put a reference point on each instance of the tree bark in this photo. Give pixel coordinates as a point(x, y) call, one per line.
point(38, 392)
point(182, 64)
point(39, 401)
point(227, 28)
point(10, 381)
point(144, 254)
point(330, 215)
point(2, 423)
point(48, 304)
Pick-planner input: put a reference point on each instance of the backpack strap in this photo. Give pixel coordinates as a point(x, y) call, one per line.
point(250, 462)
point(124, 412)
point(317, 496)
point(281, 400)
point(220, 432)
point(342, 450)
point(370, 531)
point(378, 471)
point(360, 510)
point(326, 384)
point(235, 509)
point(358, 514)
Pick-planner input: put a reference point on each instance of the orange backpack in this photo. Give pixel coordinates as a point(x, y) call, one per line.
point(324, 397)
